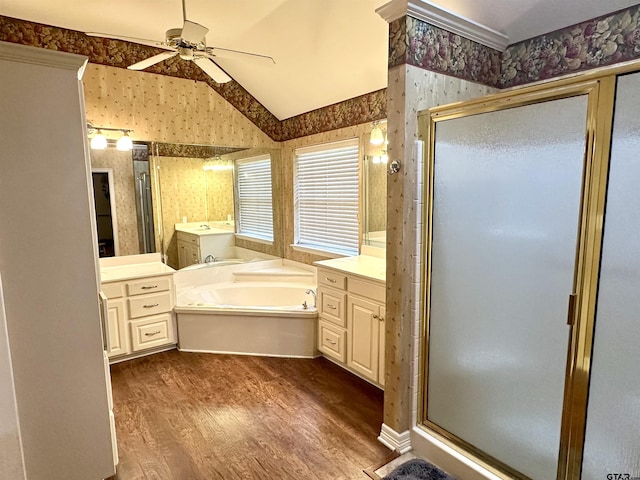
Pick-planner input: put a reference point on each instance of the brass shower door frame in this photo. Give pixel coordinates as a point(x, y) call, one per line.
point(600, 91)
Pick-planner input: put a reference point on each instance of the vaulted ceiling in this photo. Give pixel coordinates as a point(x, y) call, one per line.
point(326, 51)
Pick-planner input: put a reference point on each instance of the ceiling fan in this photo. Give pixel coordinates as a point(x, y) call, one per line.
point(188, 43)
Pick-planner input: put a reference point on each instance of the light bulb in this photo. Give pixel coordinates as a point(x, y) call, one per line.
point(384, 158)
point(99, 141)
point(124, 143)
point(376, 137)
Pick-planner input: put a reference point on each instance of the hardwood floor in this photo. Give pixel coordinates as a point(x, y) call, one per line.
point(187, 416)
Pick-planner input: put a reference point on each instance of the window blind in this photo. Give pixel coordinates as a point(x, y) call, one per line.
point(326, 197)
point(255, 211)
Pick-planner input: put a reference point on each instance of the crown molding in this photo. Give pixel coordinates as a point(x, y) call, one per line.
point(41, 56)
point(445, 19)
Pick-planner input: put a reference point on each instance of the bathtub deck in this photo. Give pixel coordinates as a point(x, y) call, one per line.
point(197, 417)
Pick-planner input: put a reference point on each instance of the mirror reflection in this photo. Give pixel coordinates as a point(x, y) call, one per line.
point(160, 190)
point(374, 187)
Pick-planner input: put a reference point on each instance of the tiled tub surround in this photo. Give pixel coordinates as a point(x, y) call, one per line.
point(254, 308)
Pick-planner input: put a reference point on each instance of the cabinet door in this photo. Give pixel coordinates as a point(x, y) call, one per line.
point(363, 326)
point(182, 254)
point(381, 340)
point(116, 329)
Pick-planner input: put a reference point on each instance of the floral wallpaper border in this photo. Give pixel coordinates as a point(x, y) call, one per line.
point(420, 44)
point(188, 151)
point(602, 41)
point(598, 42)
point(118, 53)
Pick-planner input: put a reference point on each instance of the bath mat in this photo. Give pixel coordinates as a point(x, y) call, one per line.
point(417, 469)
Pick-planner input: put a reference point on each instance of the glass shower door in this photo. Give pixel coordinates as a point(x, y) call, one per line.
point(612, 442)
point(506, 212)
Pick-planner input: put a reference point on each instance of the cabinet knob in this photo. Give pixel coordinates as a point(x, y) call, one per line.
point(375, 316)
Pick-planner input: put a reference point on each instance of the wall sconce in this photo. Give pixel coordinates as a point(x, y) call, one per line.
point(99, 141)
point(376, 137)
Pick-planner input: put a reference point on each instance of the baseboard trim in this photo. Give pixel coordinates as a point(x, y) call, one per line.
point(399, 442)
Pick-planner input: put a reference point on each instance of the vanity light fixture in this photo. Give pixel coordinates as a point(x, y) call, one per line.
point(376, 137)
point(99, 141)
point(124, 144)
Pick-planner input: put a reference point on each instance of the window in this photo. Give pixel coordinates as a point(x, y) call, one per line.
point(253, 198)
point(326, 197)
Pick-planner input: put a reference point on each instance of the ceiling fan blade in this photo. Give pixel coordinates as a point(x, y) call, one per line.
point(152, 61)
point(193, 32)
point(211, 69)
point(228, 53)
point(141, 41)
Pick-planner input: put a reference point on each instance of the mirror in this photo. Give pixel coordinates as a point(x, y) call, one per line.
point(183, 183)
point(374, 188)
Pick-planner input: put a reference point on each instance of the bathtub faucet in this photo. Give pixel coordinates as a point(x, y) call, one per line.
point(210, 258)
point(312, 292)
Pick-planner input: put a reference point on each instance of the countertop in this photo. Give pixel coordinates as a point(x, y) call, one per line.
point(205, 228)
point(366, 266)
point(131, 267)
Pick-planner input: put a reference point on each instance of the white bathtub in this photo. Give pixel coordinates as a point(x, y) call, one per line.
point(250, 318)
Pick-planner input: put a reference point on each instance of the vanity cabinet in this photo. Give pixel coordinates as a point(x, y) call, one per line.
point(188, 249)
point(351, 328)
point(140, 315)
point(194, 247)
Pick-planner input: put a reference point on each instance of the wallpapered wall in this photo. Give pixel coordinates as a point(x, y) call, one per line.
point(116, 53)
point(183, 188)
point(172, 110)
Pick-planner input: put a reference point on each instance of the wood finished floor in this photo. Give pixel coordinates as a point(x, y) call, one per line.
point(188, 416)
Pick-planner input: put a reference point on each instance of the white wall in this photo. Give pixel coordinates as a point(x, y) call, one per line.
point(48, 263)
point(11, 460)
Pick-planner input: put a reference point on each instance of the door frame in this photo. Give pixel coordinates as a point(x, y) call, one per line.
point(112, 201)
point(600, 89)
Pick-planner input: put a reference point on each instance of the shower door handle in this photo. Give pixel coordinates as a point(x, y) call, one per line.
point(144, 230)
point(571, 311)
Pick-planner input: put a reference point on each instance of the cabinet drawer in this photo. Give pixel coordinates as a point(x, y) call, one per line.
point(144, 305)
point(332, 279)
point(151, 332)
point(188, 238)
point(331, 305)
point(149, 285)
point(331, 341)
point(113, 290)
point(374, 291)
